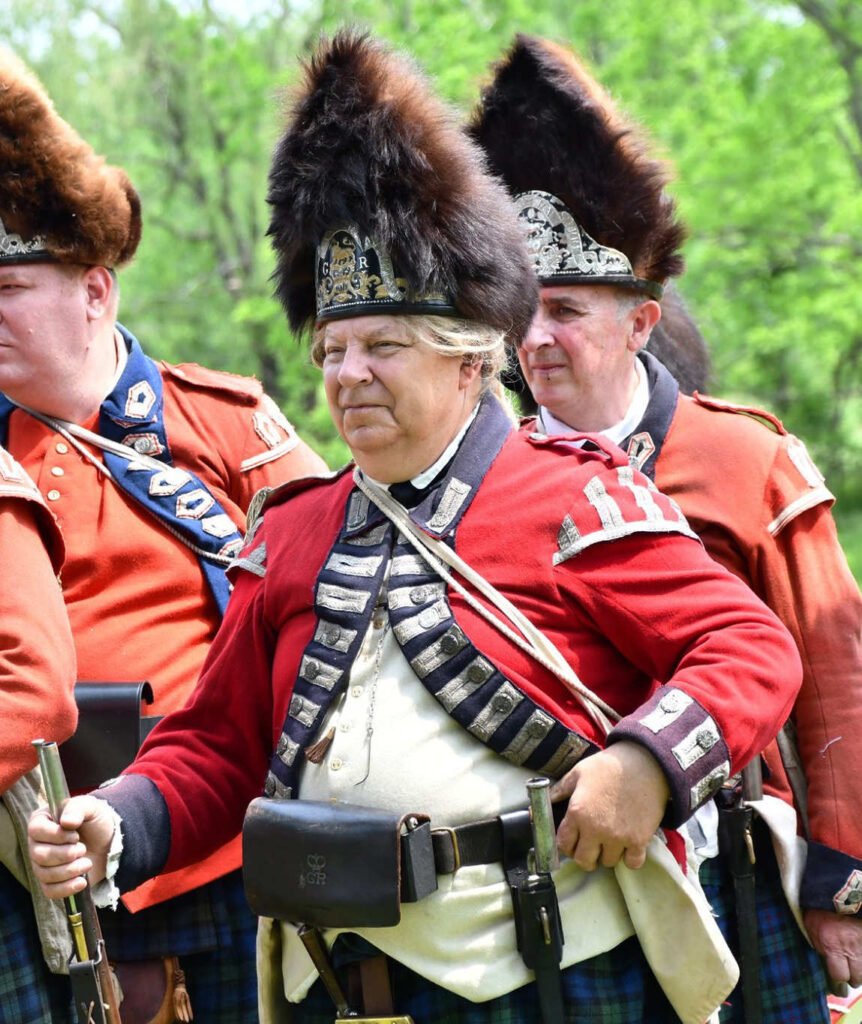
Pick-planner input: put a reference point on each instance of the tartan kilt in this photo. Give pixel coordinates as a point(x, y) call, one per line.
point(29, 993)
point(213, 932)
point(613, 988)
point(792, 980)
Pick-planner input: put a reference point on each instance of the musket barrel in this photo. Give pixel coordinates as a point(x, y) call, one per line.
point(57, 793)
point(53, 777)
point(84, 922)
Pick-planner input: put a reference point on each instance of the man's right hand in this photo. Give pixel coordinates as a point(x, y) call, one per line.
point(63, 853)
point(617, 799)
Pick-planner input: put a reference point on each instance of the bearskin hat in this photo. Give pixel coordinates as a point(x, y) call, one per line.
point(549, 128)
point(59, 201)
point(381, 203)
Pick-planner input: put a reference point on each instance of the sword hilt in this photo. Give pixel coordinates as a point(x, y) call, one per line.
point(546, 856)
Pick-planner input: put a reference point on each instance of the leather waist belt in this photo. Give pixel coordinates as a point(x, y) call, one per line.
point(482, 842)
point(342, 866)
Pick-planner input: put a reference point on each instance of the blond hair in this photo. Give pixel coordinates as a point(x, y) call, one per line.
point(470, 340)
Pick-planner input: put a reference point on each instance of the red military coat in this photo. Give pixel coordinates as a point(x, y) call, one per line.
point(753, 495)
point(761, 507)
point(137, 600)
point(601, 563)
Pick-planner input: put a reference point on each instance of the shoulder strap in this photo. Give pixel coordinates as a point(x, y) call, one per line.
point(531, 639)
point(72, 431)
point(75, 434)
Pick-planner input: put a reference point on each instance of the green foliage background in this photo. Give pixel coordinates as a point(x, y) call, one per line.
point(757, 103)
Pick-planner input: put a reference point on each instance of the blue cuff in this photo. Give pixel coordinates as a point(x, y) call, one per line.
point(685, 740)
point(146, 828)
point(832, 880)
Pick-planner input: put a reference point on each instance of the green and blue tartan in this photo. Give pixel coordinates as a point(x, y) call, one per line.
point(618, 987)
point(212, 931)
point(792, 980)
point(613, 988)
point(29, 993)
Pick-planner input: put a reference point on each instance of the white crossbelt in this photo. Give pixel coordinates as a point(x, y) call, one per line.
point(75, 434)
point(73, 431)
point(532, 640)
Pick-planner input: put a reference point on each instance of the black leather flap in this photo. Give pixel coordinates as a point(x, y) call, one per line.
point(110, 731)
point(323, 864)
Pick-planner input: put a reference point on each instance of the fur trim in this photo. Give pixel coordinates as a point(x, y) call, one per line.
point(367, 143)
point(546, 124)
point(53, 184)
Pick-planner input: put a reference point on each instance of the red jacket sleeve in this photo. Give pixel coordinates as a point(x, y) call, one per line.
point(37, 656)
point(803, 574)
point(767, 517)
point(210, 758)
point(729, 669)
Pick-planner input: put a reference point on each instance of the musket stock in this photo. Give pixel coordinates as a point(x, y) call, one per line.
point(92, 983)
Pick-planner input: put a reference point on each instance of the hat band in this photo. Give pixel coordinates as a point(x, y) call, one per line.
point(15, 249)
point(387, 308)
point(355, 276)
point(637, 284)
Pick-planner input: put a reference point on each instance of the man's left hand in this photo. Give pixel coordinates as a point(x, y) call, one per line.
point(838, 939)
point(617, 800)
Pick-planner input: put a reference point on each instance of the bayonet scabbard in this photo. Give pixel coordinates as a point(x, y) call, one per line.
point(538, 926)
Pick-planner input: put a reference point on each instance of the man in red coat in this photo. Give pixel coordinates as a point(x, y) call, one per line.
point(372, 678)
point(37, 676)
point(149, 469)
point(604, 240)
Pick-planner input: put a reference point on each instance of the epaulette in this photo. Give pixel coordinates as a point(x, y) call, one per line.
point(595, 446)
point(14, 481)
point(721, 405)
point(265, 498)
point(246, 389)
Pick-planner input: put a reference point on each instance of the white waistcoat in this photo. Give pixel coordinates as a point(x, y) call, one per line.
point(394, 747)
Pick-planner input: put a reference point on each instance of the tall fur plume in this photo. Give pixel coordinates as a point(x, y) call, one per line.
point(546, 124)
point(53, 184)
point(368, 143)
